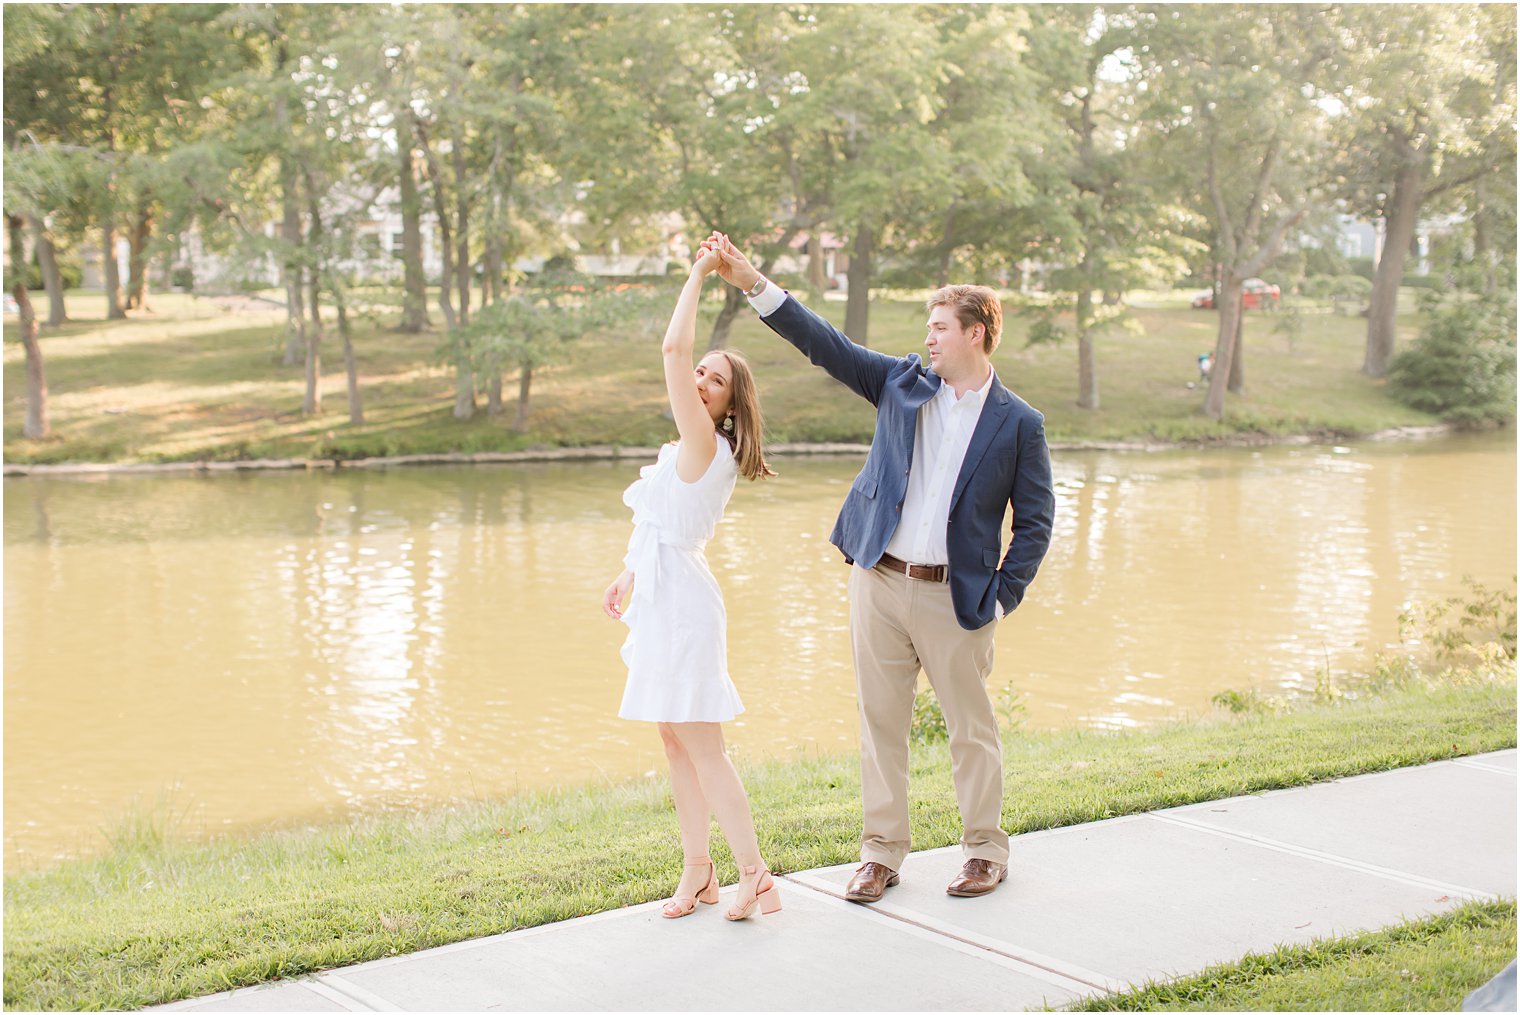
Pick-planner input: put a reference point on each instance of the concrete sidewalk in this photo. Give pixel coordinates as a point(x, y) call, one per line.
point(1086, 909)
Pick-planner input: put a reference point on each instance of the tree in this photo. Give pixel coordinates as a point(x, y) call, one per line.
point(40, 104)
point(1462, 367)
point(1431, 109)
point(532, 328)
point(866, 94)
point(1110, 222)
point(699, 129)
point(1232, 92)
point(36, 425)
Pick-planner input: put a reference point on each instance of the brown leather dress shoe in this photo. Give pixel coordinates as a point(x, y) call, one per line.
point(978, 877)
point(870, 882)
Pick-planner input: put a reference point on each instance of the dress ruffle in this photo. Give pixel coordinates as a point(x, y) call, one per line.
point(676, 648)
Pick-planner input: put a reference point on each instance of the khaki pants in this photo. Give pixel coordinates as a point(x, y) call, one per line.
point(897, 626)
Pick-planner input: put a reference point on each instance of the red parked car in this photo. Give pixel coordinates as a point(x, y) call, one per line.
point(1255, 295)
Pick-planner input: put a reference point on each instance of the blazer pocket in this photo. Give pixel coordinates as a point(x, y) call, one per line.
point(865, 486)
point(990, 558)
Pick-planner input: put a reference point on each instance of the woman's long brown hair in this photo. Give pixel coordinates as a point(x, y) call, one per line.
point(749, 425)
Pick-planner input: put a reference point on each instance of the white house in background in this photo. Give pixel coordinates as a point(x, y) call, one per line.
point(1361, 238)
point(379, 245)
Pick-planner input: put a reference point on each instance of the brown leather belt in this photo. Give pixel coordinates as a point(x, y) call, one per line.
point(918, 572)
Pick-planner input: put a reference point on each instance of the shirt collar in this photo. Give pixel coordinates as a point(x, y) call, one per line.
point(977, 395)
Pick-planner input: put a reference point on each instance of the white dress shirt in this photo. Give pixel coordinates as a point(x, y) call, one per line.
point(942, 433)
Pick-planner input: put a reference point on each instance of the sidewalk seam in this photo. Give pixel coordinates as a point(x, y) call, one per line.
point(347, 991)
point(1333, 859)
point(1482, 767)
point(1053, 971)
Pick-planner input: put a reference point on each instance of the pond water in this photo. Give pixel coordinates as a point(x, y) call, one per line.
point(242, 651)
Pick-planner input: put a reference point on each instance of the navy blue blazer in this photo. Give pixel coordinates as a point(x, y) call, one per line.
point(1006, 462)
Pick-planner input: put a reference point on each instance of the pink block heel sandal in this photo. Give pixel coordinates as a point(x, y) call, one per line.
point(685, 905)
point(763, 894)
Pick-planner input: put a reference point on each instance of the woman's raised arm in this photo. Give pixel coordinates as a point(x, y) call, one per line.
point(699, 439)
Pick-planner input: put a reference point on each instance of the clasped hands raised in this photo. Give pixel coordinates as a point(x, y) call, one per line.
point(732, 266)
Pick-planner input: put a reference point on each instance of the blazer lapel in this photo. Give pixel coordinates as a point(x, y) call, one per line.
point(925, 384)
point(997, 411)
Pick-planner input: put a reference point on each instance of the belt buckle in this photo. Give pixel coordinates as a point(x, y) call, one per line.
point(932, 576)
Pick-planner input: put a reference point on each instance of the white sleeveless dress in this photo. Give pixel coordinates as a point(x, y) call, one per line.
point(677, 645)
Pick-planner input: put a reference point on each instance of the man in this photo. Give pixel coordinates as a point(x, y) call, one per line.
point(922, 526)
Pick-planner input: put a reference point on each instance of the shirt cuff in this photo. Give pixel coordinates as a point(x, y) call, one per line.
point(769, 301)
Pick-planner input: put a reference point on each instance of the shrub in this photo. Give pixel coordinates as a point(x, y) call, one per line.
point(1462, 367)
point(1325, 287)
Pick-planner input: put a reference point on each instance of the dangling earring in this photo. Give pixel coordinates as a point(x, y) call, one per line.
point(728, 424)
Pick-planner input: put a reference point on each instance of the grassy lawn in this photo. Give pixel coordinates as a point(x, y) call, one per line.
point(160, 919)
point(194, 380)
point(1423, 965)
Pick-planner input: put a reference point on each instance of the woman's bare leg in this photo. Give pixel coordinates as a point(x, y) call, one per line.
point(692, 811)
point(721, 786)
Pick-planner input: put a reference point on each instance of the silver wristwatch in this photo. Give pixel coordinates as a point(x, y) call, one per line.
point(757, 289)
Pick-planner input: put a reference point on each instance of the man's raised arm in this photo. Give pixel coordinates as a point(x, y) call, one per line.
point(856, 367)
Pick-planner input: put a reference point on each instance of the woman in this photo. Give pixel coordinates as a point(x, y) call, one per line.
point(677, 650)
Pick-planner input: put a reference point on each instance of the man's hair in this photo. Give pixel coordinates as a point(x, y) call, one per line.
point(973, 304)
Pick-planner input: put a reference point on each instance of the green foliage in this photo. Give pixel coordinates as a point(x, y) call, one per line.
point(533, 326)
point(1460, 640)
point(1477, 625)
point(69, 272)
point(928, 725)
point(1325, 287)
point(1246, 702)
point(1462, 367)
point(1045, 328)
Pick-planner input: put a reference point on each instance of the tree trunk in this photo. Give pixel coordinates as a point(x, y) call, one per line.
point(857, 308)
point(290, 265)
point(290, 231)
point(1224, 347)
point(490, 255)
point(1238, 359)
point(817, 281)
point(112, 271)
point(733, 303)
point(414, 316)
point(462, 237)
point(312, 404)
point(36, 425)
point(490, 282)
point(52, 278)
point(1383, 307)
point(464, 388)
point(524, 382)
point(493, 394)
point(350, 364)
point(137, 261)
point(1087, 360)
point(1483, 255)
